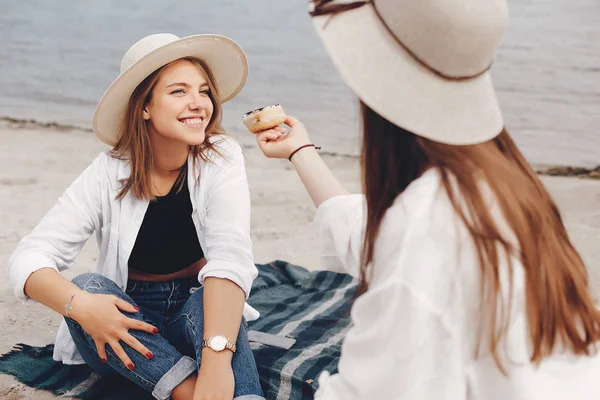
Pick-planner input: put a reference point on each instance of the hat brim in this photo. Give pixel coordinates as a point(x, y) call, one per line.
point(224, 57)
point(391, 82)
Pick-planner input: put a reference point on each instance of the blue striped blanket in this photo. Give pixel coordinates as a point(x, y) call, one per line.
point(311, 307)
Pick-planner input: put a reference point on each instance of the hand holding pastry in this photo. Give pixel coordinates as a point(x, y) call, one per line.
point(276, 143)
point(264, 118)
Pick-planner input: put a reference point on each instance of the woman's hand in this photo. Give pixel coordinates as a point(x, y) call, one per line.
point(215, 379)
point(99, 316)
point(274, 144)
point(316, 176)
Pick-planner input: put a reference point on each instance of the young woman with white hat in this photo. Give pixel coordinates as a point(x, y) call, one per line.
point(171, 210)
point(472, 288)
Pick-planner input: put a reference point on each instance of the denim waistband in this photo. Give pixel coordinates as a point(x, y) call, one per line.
point(182, 287)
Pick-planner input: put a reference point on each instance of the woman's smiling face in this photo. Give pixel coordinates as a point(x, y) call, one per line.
point(180, 107)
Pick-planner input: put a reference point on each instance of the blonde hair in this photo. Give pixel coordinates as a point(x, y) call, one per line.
point(133, 142)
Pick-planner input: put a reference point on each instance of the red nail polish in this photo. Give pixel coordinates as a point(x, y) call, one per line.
point(149, 355)
point(136, 308)
point(130, 366)
point(104, 360)
point(155, 331)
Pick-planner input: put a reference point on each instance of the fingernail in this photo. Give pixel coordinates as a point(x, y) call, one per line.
point(104, 360)
point(155, 330)
point(136, 308)
point(130, 366)
point(149, 355)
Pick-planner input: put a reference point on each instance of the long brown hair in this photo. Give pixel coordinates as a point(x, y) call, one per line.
point(134, 142)
point(559, 305)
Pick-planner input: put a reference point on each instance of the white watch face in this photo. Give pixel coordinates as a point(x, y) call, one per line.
point(218, 343)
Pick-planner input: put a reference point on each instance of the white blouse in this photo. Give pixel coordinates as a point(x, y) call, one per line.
point(221, 213)
point(415, 331)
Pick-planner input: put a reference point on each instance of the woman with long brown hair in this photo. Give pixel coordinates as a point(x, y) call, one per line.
point(170, 206)
point(470, 286)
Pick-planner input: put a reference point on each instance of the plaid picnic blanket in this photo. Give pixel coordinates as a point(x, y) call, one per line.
point(311, 307)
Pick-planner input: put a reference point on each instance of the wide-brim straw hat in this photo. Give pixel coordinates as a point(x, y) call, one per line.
point(421, 64)
point(224, 57)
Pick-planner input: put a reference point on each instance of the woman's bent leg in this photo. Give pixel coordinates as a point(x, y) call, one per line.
point(160, 375)
point(186, 329)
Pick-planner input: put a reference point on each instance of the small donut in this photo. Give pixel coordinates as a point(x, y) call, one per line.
point(264, 118)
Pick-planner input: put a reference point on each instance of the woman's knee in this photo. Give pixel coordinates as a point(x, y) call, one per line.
point(95, 283)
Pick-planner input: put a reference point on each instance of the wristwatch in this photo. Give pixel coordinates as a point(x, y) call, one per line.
point(219, 343)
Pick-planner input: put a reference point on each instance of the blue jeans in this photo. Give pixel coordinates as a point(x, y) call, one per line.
point(176, 309)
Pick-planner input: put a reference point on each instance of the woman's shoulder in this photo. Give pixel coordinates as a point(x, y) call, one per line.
point(226, 145)
point(110, 167)
point(107, 160)
point(224, 149)
point(411, 208)
point(420, 215)
point(421, 198)
point(420, 243)
point(424, 210)
point(102, 163)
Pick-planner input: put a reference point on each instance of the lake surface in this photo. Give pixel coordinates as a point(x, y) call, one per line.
point(58, 57)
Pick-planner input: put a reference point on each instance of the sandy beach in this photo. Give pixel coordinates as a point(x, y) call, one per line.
point(38, 163)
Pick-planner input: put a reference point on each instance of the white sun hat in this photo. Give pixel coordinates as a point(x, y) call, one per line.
point(224, 57)
point(421, 64)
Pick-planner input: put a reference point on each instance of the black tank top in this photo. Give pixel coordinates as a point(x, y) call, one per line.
point(167, 241)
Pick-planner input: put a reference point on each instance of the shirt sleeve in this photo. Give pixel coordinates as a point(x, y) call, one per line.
point(339, 223)
point(399, 348)
point(58, 238)
point(228, 246)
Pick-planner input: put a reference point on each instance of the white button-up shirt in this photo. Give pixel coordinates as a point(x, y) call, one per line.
point(415, 330)
point(221, 214)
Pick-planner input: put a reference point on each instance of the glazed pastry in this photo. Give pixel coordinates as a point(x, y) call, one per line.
point(264, 118)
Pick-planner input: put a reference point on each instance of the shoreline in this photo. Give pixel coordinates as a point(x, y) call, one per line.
point(567, 171)
point(548, 170)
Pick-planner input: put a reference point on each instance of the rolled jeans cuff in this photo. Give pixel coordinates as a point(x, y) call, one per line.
point(180, 371)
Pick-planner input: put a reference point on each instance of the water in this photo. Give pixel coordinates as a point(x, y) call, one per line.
point(58, 57)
